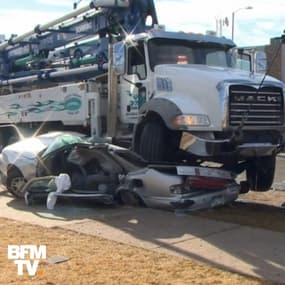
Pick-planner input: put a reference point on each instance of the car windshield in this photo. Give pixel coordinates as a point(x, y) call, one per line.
point(60, 142)
point(173, 51)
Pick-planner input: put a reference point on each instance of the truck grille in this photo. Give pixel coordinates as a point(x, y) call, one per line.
point(255, 107)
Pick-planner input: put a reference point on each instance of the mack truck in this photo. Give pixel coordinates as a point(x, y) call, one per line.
point(110, 70)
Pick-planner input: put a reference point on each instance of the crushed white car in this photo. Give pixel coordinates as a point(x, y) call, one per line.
point(18, 160)
point(110, 174)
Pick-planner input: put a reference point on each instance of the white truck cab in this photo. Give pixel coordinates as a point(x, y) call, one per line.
point(183, 94)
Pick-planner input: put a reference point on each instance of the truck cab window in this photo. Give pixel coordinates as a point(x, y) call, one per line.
point(136, 61)
point(170, 51)
point(216, 58)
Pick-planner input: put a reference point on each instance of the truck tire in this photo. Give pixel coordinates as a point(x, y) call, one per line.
point(260, 173)
point(15, 182)
point(152, 146)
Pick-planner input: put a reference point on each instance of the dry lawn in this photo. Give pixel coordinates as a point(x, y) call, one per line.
point(93, 260)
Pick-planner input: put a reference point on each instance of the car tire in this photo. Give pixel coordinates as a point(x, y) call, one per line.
point(260, 173)
point(15, 182)
point(152, 145)
point(130, 198)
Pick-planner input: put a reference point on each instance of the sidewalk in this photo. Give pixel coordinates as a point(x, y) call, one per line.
point(250, 251)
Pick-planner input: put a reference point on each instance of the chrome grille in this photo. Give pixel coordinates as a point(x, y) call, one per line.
point(255, 107)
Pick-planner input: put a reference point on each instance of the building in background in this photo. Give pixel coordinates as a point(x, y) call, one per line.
point(276, 57)
point(275, 53)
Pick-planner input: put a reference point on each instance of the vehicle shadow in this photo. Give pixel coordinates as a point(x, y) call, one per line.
point(224, 245)
point(66, 210)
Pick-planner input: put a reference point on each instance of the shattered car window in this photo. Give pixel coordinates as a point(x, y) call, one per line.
point(60, 142)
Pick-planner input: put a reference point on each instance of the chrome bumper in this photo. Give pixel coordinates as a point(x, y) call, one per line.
point(209, 148)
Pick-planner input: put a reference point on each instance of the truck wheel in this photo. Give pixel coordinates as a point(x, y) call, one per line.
point(260, 173)
point(153, 142)
point(15, 182)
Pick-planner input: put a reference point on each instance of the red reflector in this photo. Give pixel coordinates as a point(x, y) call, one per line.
point(207, 183)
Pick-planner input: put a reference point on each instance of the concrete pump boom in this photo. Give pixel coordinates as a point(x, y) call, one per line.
point(101, 22)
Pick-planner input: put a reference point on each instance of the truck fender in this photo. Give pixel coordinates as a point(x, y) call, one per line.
point(162, 107)
point(158, 109)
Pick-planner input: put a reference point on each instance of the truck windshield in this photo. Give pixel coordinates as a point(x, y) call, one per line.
point(173, 51)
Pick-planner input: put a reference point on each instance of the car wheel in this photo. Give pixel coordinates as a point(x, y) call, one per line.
point(130, 198)
point(260, 173)
point(16, 182)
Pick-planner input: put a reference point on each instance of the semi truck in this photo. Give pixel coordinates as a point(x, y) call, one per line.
point(110, 70)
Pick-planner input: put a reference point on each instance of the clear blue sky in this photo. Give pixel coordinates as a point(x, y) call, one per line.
point(252, 27)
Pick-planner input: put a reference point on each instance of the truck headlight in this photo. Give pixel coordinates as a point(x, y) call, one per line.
point(184, 121)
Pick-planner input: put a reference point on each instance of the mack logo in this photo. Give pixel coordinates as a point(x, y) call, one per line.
point(256, 98)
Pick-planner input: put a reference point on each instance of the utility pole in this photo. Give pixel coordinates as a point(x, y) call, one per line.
point(233, 18)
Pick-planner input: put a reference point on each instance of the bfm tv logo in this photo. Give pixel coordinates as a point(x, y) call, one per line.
point(18, 253)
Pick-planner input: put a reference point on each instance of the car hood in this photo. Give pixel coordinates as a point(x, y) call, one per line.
point(27, 149)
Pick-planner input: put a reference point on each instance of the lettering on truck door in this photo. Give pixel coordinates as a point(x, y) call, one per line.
point(134, 85)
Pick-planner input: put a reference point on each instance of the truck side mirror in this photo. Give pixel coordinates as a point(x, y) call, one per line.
point(119, 58)
point(260, 62)
point(242, 59)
